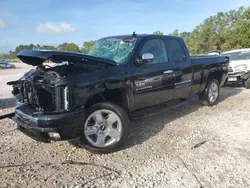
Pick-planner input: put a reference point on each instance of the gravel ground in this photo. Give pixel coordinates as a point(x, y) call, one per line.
point(159, 151)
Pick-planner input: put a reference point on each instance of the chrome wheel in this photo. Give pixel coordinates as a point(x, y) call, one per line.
point(103, 128)
point(213, 92)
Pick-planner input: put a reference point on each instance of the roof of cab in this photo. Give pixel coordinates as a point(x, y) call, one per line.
point(138, 36)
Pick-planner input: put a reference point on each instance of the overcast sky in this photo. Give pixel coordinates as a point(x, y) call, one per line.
point(55, 21)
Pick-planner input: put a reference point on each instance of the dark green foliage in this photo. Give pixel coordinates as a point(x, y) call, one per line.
point(158, 33)
point(70, 47)
point(87, 46)
point(223, 31)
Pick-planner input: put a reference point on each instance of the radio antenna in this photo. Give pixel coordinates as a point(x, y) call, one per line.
point(134, 35)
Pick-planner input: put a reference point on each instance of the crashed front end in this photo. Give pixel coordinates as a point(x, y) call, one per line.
point(42, 90)
point(43, 104)
point(48, 106)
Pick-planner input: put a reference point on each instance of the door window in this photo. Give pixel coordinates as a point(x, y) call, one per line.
point(177, 51)
point(157, 48)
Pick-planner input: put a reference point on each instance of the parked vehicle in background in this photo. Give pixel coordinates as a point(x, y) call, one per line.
point(214, 52)
point(239, 66)
point(93, 96)
point(6, 65)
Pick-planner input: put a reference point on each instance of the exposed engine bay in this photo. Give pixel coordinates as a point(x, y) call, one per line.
point(37, 88)
point(50, 86)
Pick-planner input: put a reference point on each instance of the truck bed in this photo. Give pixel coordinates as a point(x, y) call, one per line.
point(205, 60)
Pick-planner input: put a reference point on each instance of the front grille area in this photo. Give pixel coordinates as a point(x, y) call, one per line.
point(39, 97)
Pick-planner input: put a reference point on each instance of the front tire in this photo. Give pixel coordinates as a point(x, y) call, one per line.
point(106, 127)
point(210, 95)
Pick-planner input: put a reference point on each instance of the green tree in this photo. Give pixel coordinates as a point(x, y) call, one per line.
point(23, 47)
point(87, 46)
point(69, 47)
point(45, 47)
point(158, 33)
point(175, 33)
point(238, 34)
point(185, 35)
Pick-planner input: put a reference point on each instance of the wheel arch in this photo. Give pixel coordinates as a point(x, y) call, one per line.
point(120, 96)
point(211, 75)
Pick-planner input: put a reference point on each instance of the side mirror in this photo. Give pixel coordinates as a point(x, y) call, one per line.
point(145, 58)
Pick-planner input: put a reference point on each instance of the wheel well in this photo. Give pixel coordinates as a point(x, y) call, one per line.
point(215, 75)
point(116, 96)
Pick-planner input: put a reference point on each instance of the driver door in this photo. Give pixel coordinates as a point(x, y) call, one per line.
point(153, 83)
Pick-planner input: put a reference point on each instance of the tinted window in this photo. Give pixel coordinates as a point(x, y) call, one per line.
point(157, 48)
point(177, 51)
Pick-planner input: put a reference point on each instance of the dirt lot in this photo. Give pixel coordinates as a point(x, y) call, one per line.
point(158, 154)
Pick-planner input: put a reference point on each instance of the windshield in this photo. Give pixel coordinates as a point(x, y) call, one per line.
point(115, 49)
point(236, 56)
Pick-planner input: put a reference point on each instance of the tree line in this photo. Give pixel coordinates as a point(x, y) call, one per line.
point(72, 47)
point(223, 31)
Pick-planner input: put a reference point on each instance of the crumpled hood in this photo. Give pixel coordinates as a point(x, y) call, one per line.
point(37, 57)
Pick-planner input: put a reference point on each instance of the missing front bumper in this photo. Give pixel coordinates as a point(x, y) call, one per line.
point(52, 126)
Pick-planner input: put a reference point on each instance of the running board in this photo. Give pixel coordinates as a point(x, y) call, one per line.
point(157, 109)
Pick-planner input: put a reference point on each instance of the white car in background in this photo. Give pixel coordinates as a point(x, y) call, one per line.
point(214, 52)
point(239, 66)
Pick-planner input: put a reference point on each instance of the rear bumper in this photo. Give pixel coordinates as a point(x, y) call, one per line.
point(238, 77)
point(49, 126)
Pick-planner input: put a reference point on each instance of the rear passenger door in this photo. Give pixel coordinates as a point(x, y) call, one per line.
point(181, 67)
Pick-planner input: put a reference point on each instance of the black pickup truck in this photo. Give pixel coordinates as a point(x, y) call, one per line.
point(93, 96)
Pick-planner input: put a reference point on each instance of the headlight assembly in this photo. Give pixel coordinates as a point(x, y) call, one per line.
point(239, 68)
point(66, 97)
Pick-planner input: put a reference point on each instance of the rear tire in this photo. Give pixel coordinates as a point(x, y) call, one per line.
point(247, 83)
point(107, 122)
point(210, 95)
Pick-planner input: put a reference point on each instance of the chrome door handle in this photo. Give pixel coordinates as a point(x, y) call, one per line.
point(168, 71)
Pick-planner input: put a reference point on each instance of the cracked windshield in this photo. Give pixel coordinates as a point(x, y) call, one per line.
point(115, 49)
